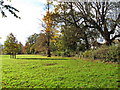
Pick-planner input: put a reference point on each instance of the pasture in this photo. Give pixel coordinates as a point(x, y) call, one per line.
point(34, 71)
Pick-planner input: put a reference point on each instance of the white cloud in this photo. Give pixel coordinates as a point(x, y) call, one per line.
point(29, 24)
point(43, 1)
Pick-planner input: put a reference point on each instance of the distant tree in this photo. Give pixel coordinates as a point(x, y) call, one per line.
point(20, 48)
point(26, 48)
point(41, 43)
point(1, 48)
point(35, 44)
point(11, 46)
point(4, 7)
point(29, 46)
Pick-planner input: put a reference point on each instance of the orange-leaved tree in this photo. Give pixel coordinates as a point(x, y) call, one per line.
point(50, 28)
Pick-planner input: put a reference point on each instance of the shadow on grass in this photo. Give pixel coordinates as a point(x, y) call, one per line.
point(43, 58)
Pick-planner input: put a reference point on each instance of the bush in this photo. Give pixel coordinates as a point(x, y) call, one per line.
point(66, 53)
point(106, 53)
point(58, 53)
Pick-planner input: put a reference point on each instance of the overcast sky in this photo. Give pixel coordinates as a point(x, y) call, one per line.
point(30, 12)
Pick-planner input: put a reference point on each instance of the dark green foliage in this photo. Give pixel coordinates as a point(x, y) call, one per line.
point(11, 46)
point(20, 48)
point(36, 44)
point(106, 53)
point(30, 44)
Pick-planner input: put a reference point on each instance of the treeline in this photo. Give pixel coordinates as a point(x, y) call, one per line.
point(37, 44)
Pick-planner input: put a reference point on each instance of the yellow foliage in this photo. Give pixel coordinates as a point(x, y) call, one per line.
point(48, 21)
point(53, 41)
point(51, 25)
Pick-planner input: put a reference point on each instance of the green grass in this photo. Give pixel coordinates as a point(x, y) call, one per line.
point(34, 71)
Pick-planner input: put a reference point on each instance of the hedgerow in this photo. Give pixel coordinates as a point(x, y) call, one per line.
point(105, 53)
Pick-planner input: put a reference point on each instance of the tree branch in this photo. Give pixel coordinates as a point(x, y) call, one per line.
point(116, 36)
point(114, 26)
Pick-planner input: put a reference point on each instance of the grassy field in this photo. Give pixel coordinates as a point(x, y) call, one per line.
point(34, 71)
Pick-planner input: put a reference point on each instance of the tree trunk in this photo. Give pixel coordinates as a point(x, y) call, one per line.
point(86, 41)
point(11, 55)
point(49, 37)
point(49, 53)
point(107, 39)
point(108, 42)
point(14, 56)
point(48, 44)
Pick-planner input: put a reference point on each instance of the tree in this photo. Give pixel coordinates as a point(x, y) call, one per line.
point(70, 20)
point(20, 48)
point(97, 15)
point(70, 39)
point(41, 43)
point(11, 9)
point(1, 48)
point(48, 21)
point(11, 46)
point(26, 48)
point(29, 46)
point(50, 27)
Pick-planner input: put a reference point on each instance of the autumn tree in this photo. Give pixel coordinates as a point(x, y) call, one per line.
point(11, 46)
point(48, 22)
point(37, 44)
point(41, 43)
point(26, 48)
point(50, 28)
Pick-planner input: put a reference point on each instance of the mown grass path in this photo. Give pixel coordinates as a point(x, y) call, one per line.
point(34, 71)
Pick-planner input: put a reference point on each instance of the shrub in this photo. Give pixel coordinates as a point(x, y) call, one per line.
point(106, 53)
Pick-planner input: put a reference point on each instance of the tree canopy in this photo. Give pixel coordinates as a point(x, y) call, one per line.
point(11, 46)
point(102, 18)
